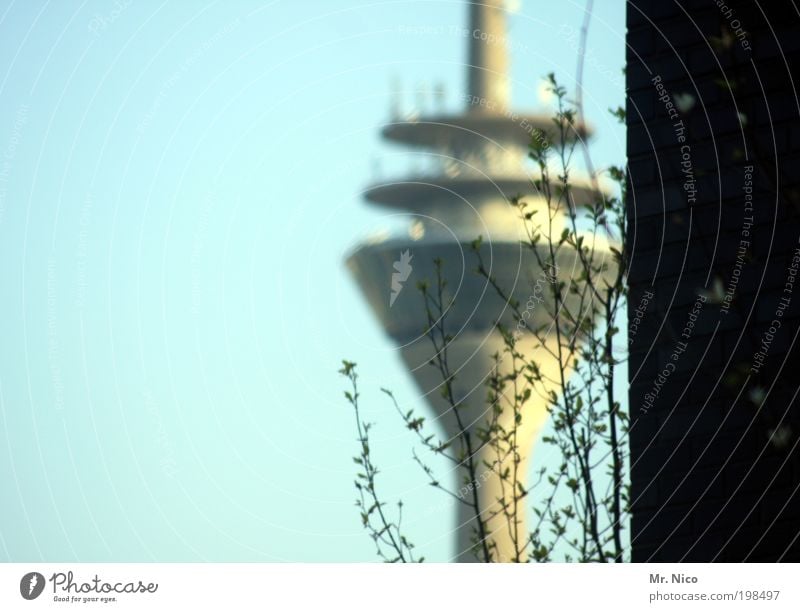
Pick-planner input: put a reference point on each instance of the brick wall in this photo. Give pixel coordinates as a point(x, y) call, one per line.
point(714, 117)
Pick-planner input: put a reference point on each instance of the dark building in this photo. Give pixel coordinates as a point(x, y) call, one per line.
point(714, 312)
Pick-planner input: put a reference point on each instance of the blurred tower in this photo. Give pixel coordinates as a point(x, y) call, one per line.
point(478, 161)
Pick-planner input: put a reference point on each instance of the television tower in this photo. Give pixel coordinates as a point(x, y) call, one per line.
point(477, 160)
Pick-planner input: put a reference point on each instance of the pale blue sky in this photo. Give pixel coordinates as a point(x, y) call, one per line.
point(179, 183)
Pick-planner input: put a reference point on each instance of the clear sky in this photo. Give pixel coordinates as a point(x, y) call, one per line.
point(179, 184)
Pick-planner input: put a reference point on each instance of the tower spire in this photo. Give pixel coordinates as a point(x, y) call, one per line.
point(488, 57)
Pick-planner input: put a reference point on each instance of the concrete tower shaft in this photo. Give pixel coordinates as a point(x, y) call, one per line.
point(488, 58)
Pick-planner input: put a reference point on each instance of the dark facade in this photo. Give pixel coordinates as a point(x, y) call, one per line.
point(714, 311)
